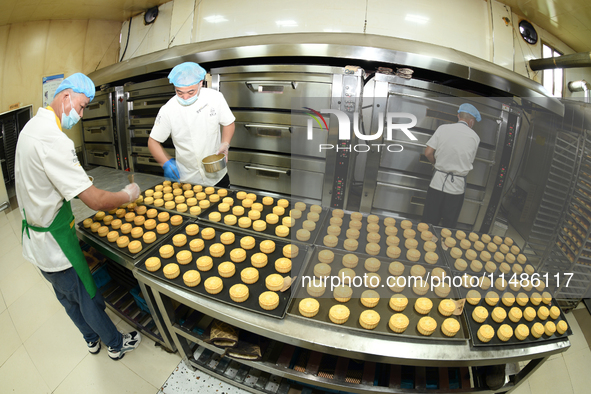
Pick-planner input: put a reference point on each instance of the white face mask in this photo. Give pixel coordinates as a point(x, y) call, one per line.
point(68, 121)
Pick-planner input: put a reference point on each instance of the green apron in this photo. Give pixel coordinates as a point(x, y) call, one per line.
point(64, 232)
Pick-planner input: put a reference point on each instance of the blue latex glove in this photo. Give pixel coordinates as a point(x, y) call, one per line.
point(171, 171)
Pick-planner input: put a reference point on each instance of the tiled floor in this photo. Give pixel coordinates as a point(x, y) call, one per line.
point(41, 351)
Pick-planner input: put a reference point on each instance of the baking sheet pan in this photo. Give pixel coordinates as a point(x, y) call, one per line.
point(473, 326)
point(355, 306)
point(383, 245)
point(267, 209)
point(145, 247)
point(231, 193)
point(252, 303)
point(446, 253)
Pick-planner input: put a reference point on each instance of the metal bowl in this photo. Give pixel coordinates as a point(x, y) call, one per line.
point(214, 163)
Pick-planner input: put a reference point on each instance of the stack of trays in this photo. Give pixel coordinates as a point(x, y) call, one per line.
point(265, 215)
point(121, 227)
point(231, 254)
point(314, 301)
point(380, 236)
point(183, 198)
point(510, 310)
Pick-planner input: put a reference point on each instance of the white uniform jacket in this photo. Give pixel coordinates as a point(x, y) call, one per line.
point(195, 132)
point(46, 172)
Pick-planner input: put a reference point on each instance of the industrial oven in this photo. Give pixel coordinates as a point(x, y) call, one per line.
point(103, 128)
point(397, 181)
point(144, 100)
point(271, 149)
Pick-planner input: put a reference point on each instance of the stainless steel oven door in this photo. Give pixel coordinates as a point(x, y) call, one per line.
point(277, 173)
point(147, 161)
point(101, 154)
point(142, 122)
point(99, 107)
point(411, 201)
point(275, 93)
point(100, 130)
point(140, 132)
point(277, 132)
point(406, 195)
point(411, 159)
point(144, 151)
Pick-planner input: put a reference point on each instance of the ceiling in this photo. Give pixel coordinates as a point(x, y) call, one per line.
point(569, 20)
point(18, 11)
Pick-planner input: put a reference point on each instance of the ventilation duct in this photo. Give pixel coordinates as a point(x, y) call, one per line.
point(566, 61)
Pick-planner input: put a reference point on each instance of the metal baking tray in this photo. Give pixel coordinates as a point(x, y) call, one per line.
point(231, 193)
point(255, 289)
point(362, 240)
point(356, 307)
point(473, 326)
point(145, 247)
point(446, 253)
point(270, 230)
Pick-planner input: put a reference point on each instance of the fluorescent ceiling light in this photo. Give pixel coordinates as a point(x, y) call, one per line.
point(289, 23)
point(215, 19)
point(416, 18)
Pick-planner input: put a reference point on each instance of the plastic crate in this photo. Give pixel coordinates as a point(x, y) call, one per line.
point(101, 276)
point(139, 300)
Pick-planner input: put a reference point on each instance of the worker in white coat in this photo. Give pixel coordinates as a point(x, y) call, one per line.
point(47, 177)
point(193, 119)
point(451, 150)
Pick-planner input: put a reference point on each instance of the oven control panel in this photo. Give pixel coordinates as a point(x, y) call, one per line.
point(349, 104)
point(502, 173)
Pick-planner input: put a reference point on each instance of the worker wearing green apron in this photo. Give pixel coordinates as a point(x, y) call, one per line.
point(47, 177)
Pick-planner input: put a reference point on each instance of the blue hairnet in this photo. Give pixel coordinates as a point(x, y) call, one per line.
point(79, 83)
point(470, 109)
point(186, 74)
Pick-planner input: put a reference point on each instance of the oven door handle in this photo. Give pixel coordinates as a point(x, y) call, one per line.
point(285, 172)
point(100, 154)
point(96, 105)
point(270, 87)
point(94, 130)
point(267, 126)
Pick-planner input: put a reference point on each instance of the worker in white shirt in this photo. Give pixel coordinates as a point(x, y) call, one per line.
point(451, 150)
point(193, 119)
point(47, 177)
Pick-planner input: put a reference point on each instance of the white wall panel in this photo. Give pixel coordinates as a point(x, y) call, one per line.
point(150, 38)
point(502, 34)
point(457, 24)
point(238, 18)
point(181, 24)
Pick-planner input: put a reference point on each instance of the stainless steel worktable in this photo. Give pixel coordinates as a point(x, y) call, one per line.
point(334, 340)
point(355, 344)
